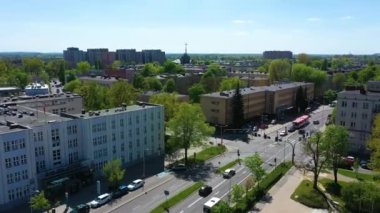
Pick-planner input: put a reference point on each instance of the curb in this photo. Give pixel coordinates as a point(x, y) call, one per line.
point(135, 197)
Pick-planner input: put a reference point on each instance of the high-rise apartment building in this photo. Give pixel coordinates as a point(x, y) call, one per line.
point(150, 56)
point(73, 55)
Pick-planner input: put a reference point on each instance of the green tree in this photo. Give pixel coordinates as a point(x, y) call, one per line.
point(195, 91)
point(139, 82)
point(152, 83)
point(169, 101)
point(361, 197)
point(301, 72)
point(53, 67)
point(316, 148)
point(172, 68)
point(237, 196)
point(114, 172)
point(231, 83)
point(303, 58)
point(330, 96)
point(318, 77)
point(210, 83)
point(336, 140)
point(18, 78)
point(325, 65)
point(222, 207)
point(116, 64)
point(150, 69)
point(254, 164)
point(39, 202)
point(338, 80)
point(44, 76)
point(188, 127)
point(215, 70)
point(279, 69)
point(83, 67)
point(237, 108)
point(169, 86)
point(374, 143)
point(33, 65)
point(72, 85)
point(94, 95)
point(122, 92)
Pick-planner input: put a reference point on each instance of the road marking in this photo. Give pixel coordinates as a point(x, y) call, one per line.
point(243, 179)
point(181, 211)
point(216, 192)
point(224, 195)
point(219, 184)
point(244, 172)
point(194, 202)
point(239, 169)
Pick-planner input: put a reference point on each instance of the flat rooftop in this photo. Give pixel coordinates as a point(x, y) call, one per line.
point(21, 117)
point(250, 90)
point(39, 98)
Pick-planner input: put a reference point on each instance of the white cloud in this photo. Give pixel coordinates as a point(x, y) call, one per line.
point(241, 21)
point(346, 17)
point(313, 19)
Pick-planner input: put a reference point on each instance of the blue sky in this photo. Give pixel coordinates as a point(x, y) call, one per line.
point(209, 26)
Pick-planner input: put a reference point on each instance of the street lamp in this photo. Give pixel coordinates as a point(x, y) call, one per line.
point(293, 145)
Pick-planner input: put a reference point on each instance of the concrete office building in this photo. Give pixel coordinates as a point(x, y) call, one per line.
point(274, 99)
point(39, 150)
point(127, 55)
point(56, 104)
point(356, 110)
point(277, 55)
point(100, 57)
point(73, 56)
point(150, 56)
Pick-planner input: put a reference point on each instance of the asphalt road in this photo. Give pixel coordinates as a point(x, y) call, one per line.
point(147, 198)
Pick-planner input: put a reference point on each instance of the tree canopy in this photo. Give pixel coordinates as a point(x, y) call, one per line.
point(122, 92)
point(169, 101)
point(188, 127)
point(169, 86)
point(254, 164)
point(279, 70)
point(114, 172)
point(231, 83)
point(39, 202)
point(195, 92)
point(83, 67)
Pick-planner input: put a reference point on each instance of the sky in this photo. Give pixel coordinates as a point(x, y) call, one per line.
point(208, 26)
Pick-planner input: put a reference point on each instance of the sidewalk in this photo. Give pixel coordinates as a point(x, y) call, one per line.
point(281, 192)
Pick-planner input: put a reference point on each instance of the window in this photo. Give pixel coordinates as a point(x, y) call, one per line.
point(352, 124)
point(122, 147)
point(16, 161)
point(75, 130)
point(151, 116)
point(145, 117)
point(342, 123)
point(113, 124)
point(121, 135)
point(343, 114)
point(130, 133)
point(113, 137)
point(56, 155)
point(69, 131)
point(130, 145)
point(215, 102)
point(25, 174)
point(145, 141)
point(215, 110)
point(344, 103)
point(138, 143)
point(354, 104)
point(114, 149)
point(9, 178)
point(104, 126)
point(63, 110)
point(17, 176)
point(144, 129)
point(137, 131)
point(23, 159)
point(353, 114)
point(55, 111)
point(40, 136)
point(365, 105)
point(130, 120)
point(55, 137)
point(137, 119)
point(8, 162)
point(22, 143)
point(152, 127)
point(364, 116)
point(11, 194)
point(121, 122)
point(7, 147)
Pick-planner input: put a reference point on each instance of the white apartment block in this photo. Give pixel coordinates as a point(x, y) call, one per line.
point(36, 146)
point(356, 110)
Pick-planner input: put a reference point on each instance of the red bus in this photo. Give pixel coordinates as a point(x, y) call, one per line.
point(301, 121)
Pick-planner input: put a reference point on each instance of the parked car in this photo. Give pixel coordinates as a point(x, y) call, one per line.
point(135, 184)
point(229, 173)
point(315, 122)
point(292, 129)
point(205, 190)
point(273, 122)
point(179, 167)
point(120, 192)
point(283, 133)
point(100, 200)
point(255, 129)
point(81, 208)
point(364, 164)
point(301, 131)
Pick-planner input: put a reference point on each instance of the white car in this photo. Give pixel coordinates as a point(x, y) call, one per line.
point(100, 200)
point(283, 133)
point(135, 184)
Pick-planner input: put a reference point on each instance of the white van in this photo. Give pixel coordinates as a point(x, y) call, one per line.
point(207, 207)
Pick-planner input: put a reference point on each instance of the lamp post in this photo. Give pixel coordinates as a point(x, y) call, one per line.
point(293, 145)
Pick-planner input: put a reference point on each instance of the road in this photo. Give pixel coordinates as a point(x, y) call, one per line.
point(147, 198)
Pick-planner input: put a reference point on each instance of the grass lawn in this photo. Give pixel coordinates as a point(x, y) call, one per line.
point(308, 196)
point(204, 155)
point(177, 198)
point(334, 189)
point(359, 176)
point(227, 166)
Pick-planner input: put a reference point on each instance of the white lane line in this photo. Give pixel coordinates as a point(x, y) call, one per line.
point(194, 202)
point(243, 179)
point(181, 211)
point(224, 195)
point(216, 192)
point(219, 184)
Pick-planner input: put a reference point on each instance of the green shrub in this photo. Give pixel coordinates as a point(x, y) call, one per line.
point(308, 196)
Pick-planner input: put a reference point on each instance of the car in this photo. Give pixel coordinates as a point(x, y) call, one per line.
point(120, 192)
point(81, 208)
point(179, 167)
point(292, 129)
point(100, 200)
point(363, 164)
point(255, 129)
point(205, 190)
point(301, 131)
point(135, 185)
point(229, 173)
point(283, 133)
point(315, 122)
point(273, 122)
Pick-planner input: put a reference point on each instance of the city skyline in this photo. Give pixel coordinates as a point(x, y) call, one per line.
point(315, 27)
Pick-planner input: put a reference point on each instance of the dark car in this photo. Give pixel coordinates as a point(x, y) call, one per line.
point(301, 131)
point(179, 167)
point(120, 192)
point(291, 129)
point(316, 122)
point(205, 190)
point(229, 173)
point(81, 208)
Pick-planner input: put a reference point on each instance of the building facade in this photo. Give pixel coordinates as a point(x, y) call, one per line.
point(356, 110)
point(73, 56)
point(217, 107)
point(40, 151)
point(277, 55)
